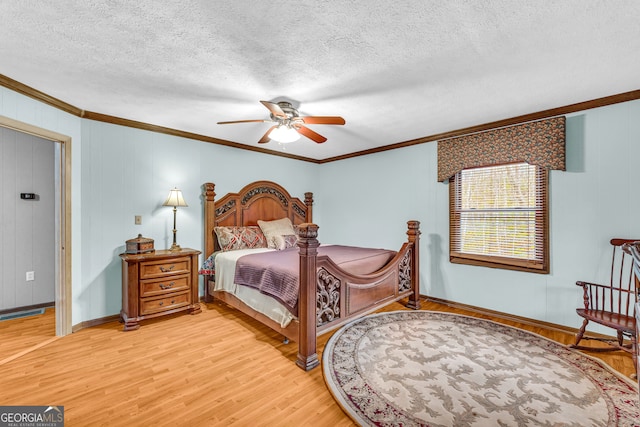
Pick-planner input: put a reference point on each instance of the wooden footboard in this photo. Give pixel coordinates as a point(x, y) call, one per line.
point(339, 296)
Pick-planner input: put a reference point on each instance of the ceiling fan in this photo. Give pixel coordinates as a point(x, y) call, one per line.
point(289, 125)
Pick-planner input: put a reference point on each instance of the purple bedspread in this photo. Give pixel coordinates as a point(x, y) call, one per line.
point(276, 273)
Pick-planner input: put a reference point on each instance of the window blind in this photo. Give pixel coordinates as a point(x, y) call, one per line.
point(499, 216)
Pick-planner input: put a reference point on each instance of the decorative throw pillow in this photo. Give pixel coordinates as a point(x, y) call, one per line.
point(286, 241)
point(278, 227)
point(233, 238)
point(209, 265)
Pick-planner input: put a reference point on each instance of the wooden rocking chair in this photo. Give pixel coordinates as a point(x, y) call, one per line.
point(612, 305)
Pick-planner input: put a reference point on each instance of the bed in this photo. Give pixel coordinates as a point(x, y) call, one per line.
point(330, 293)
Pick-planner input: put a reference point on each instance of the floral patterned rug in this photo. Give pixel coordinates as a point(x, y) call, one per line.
point(439, 369)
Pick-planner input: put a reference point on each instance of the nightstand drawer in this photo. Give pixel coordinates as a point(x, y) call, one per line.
point(162, 268)
point(164, 285)
point(150, 306)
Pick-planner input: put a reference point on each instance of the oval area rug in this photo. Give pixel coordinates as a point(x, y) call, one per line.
point(441, 369)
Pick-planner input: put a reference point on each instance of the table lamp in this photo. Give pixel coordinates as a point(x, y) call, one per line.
point(175, 199)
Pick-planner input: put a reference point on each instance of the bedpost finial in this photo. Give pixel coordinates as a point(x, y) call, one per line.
point(308, 201)
point(308, 231)
point(308, 198)
point(209, 193)
point(413, 230)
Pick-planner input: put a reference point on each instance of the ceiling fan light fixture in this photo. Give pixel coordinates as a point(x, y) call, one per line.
point(284, 134)
point(288, 125)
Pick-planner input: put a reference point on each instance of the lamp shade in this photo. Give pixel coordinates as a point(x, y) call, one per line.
point(175, 199)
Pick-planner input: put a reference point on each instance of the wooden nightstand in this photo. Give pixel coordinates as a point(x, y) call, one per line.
point(158, 283)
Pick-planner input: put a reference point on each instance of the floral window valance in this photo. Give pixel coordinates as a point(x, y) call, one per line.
point(540, 143)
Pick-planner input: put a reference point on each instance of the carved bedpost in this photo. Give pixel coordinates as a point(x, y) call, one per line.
point(209, 217)
point(413, 231)
point(209, 196)
point(308, 244)
point(308, 201)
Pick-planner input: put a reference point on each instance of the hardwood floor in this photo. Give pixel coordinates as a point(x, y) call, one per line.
point(218, 367)
point(23, 334)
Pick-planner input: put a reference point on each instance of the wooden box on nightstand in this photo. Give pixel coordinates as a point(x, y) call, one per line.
point(158, 283)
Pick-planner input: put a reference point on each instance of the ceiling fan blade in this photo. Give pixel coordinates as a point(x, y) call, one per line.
point(311, 134)
point(244, 121)
point(265, 137)
point(275, 109)
point(323, 120)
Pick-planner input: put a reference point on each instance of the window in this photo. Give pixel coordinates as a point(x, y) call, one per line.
point(498, 217)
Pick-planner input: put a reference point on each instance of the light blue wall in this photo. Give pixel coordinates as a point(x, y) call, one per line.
point(593, 201)
point(128, 172)
point(118, 172)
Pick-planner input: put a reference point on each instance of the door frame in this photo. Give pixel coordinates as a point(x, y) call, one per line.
point(63, 281)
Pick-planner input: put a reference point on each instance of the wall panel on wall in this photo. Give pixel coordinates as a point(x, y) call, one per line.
point(28, 226)
point(593, 201)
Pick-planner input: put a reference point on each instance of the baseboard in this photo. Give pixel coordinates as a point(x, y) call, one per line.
point(28, 307)
point(509, 317)
point(453, 304)
point(95, 322)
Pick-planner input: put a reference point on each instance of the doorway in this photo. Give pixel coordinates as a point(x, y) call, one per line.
point(62, 219)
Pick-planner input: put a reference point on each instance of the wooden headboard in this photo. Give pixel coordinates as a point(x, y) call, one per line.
point(264, 200)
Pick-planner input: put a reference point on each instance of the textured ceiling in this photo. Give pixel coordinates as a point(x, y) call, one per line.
point(395, 70)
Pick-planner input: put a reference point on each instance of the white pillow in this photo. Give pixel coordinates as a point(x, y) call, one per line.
point(278, 227)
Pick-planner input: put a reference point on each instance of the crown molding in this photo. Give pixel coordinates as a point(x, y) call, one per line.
point(23, 89)
point(544, 114)
point(189, 135)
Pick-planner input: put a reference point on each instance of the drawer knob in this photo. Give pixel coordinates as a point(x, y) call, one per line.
point(161, 303)
point(166, 270)
point(173, 301)
point(169, 286)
